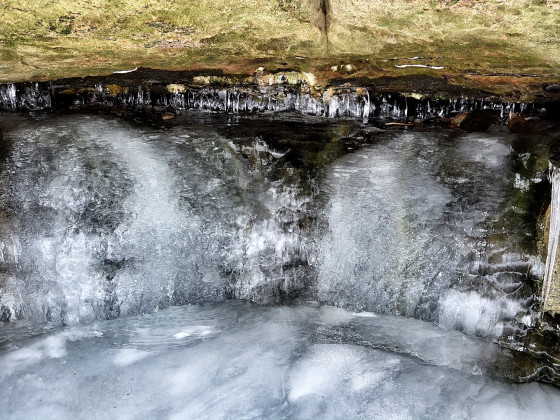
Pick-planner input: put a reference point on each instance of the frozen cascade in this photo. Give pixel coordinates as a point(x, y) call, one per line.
point(554, 233)
point(365, 239)
point(138, 240)
point(406, 236)
point(130, 221)
point(157, 225)
point(106, 228)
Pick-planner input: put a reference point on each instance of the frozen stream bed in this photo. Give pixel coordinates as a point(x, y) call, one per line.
point(238, 360)
point(272, 266)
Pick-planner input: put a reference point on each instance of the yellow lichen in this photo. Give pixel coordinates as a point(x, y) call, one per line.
point(176, 88)
point(114, 90)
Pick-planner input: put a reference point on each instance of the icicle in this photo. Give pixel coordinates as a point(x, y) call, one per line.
point(148, 101)
point(365, 114)
point(383, 109)
point(405, 108)
point(221, 103)
point(396, 109)
point(12, 95)
point(419, 111)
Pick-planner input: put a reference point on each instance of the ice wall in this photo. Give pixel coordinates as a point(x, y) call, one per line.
point(550, 273)
point(415, 227)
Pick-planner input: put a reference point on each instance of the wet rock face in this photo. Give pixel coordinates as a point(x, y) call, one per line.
point(554, 155)
point(520, 124)
point(552, 88)
point(478, 121)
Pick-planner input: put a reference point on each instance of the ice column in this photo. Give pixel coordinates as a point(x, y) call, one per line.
point(553, 235)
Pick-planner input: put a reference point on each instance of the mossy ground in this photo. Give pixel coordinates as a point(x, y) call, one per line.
point(472, 40)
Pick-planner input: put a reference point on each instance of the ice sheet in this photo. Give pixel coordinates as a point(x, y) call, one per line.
point(261, 362)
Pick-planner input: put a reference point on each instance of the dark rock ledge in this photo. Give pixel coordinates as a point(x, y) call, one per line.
point(393, 102)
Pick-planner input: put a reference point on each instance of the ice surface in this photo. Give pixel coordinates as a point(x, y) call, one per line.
point(260, 362)
point(127, 357)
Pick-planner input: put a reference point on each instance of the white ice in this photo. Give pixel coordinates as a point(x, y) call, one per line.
point(407, 218)
point(261, 362)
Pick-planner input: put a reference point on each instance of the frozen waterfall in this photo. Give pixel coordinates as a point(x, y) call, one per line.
point(268, 267)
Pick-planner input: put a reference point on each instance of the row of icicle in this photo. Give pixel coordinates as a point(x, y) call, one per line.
point(338, 102)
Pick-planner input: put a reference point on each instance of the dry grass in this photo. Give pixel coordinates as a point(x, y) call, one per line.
point(42, 39)
point(469, 28)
